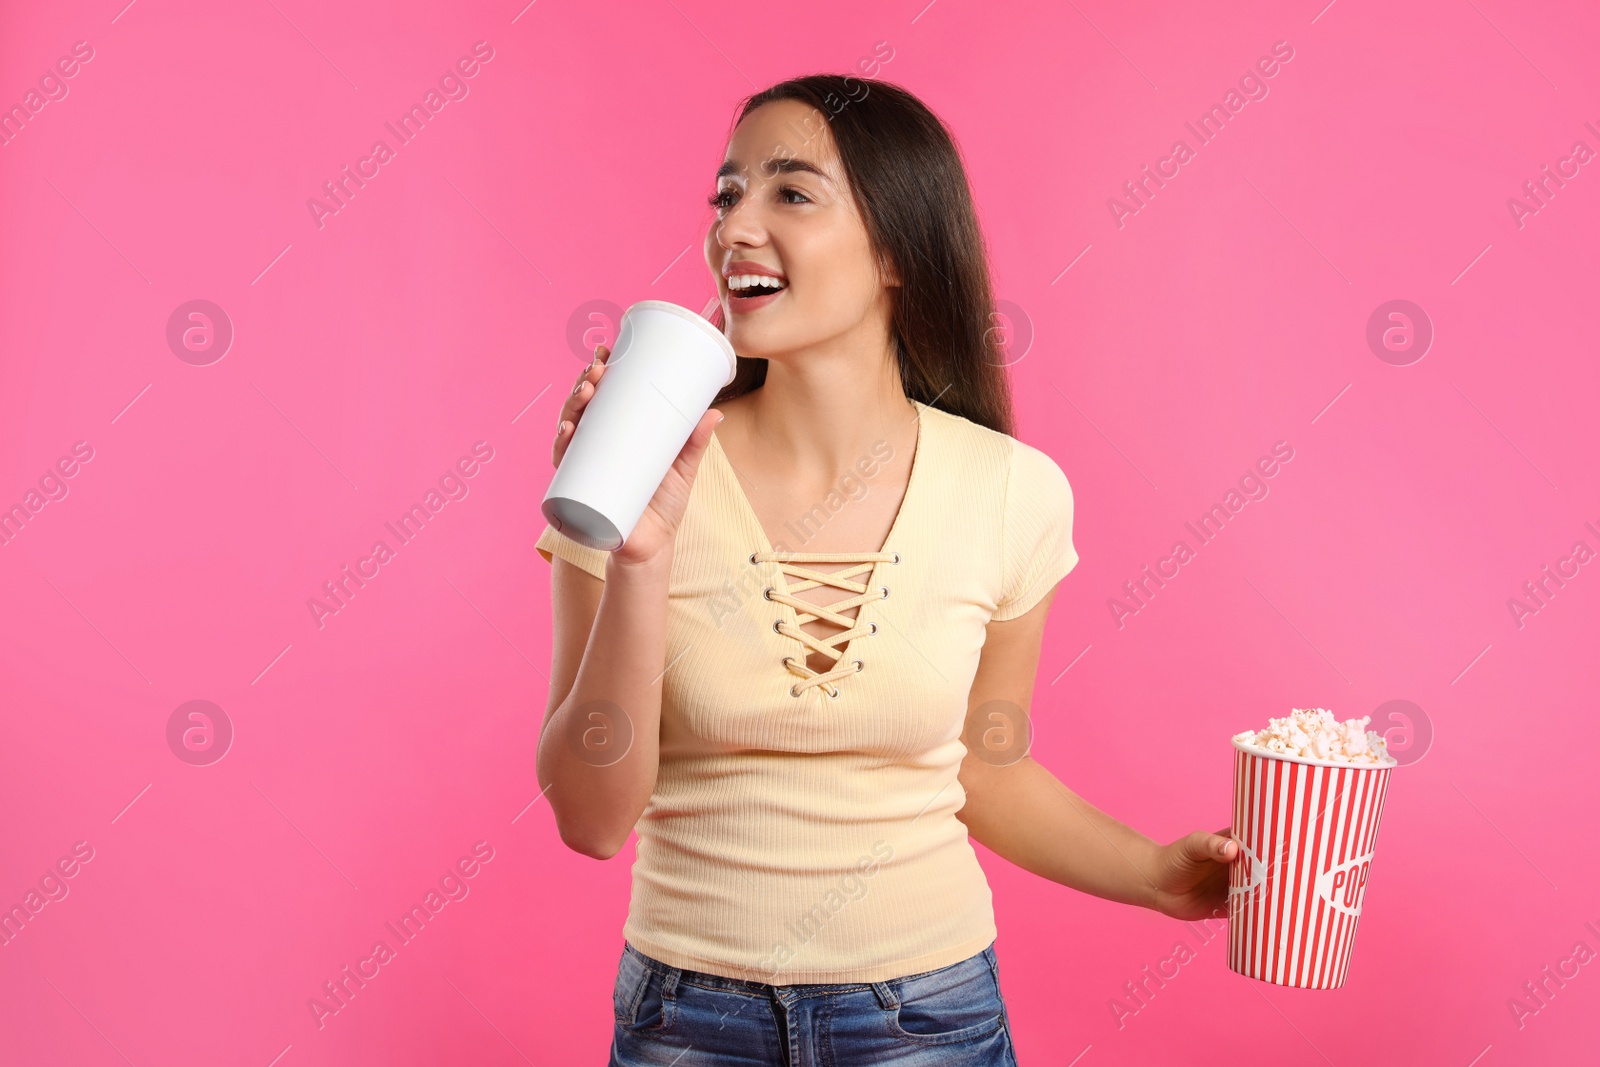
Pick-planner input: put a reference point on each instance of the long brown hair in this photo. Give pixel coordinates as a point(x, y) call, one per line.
point(911, 189)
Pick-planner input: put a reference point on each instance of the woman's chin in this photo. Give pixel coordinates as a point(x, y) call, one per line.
point(756, 342)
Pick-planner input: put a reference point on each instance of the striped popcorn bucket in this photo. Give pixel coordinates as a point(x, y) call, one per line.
point(1306, 830)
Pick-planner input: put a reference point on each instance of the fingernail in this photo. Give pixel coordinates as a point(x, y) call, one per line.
point(575, 388)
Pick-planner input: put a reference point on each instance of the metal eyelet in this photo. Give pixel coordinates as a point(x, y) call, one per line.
point(858, 666)
point(885, 592)
point(752, 559)
point(896, 561)
point(767, 592)
point(776, 626)
point(792, 692)
point(835, 694)
point(874, 628)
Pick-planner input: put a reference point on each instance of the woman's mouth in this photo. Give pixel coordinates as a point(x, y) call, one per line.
point(748, 292)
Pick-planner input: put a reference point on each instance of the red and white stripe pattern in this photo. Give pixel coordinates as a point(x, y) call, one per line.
point(1306, 834)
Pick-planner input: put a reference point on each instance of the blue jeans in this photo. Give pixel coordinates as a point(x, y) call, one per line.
point(671, 1017)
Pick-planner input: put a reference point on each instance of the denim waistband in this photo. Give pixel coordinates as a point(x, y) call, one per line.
point(883, 989)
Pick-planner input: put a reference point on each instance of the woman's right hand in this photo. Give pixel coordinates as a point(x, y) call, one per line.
point(658, 526)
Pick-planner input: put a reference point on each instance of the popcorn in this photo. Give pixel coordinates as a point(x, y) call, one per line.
point(1313, 733)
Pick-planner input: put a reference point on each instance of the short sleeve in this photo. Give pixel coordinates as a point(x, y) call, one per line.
point(1036, 549)
point(592, 560)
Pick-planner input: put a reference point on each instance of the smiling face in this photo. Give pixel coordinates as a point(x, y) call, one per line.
point(784, 207)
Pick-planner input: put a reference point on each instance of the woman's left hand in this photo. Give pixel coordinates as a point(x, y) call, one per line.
point(1191, 875)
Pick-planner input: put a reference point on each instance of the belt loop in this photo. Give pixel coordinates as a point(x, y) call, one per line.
point(994, 964)
point(887, 997)
point(669, 983)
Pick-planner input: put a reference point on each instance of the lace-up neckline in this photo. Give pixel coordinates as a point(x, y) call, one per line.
point(791, 565)
point(867, 590)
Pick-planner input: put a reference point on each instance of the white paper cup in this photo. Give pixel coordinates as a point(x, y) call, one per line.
point(1306, 830)
point(667, 366)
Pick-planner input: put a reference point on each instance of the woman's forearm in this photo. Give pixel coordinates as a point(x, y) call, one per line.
point(1024, 814)
point(615, 700)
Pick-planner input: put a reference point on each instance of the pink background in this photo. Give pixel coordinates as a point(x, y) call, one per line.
point(433, 312)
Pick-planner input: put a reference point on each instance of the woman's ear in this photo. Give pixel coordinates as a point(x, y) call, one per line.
point(886, 272)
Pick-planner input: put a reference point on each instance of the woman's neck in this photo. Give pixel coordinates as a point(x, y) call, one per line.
point(818, 419)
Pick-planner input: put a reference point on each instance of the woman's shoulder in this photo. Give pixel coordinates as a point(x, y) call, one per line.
point(1002, 454)
point(965, 436)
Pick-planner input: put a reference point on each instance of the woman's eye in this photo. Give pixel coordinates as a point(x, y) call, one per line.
point(724, 199)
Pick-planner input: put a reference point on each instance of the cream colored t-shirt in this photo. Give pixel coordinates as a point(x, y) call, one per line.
point(813, 837)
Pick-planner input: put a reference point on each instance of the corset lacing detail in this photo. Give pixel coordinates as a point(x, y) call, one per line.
point(790, 563)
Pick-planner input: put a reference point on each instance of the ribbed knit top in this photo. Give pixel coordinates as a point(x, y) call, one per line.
point(803, 824)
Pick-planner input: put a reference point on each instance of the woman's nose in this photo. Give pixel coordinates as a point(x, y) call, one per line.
point(740, 224)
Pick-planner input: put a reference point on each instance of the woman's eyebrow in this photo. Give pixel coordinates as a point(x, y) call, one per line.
point(785, 165)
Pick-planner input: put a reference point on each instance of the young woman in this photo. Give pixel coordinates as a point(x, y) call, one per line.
point(805, 678)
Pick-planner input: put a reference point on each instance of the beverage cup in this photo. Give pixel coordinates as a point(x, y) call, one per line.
point(667, 366)
point(1306, 830)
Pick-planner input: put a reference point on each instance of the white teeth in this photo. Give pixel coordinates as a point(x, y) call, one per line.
point(745, 281)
